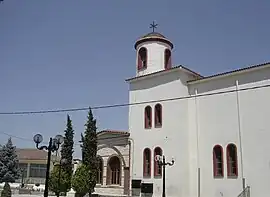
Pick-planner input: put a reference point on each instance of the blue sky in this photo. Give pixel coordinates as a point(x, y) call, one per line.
point(68, 54)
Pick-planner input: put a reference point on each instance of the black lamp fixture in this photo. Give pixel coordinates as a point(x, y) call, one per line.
point(162, 162)
point(54, 145)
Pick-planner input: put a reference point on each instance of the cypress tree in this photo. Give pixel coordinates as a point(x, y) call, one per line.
point(89, 149)
point(67, 150)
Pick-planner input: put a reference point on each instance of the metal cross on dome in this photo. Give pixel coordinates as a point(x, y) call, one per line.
point(153, 26)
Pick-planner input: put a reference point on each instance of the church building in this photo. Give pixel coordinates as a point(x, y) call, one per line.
point(213, 129)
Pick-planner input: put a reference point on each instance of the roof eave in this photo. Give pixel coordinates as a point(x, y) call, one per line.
point(230, 73)
point(158, 73)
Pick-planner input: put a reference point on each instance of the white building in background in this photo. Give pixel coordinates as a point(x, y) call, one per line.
point(216, 128)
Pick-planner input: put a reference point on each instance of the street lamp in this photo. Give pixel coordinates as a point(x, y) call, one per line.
point(62, 163)
point(161, 161)
point(54, 145)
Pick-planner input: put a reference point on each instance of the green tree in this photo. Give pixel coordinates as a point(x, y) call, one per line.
point(6, 192)
point(9, 168)
point(67, 151)
point(83, 180)
point(89, 149)
point(59, 185)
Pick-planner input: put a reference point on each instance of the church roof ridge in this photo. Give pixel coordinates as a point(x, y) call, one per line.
point(239, 70)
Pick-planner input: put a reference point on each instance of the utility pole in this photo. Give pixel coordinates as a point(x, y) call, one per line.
point(162, 162)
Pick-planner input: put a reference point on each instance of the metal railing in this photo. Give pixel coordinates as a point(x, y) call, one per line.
point(245, 192)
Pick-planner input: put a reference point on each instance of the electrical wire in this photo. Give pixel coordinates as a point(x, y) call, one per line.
point(76, 144)
point(127, 104)
point(119, 105)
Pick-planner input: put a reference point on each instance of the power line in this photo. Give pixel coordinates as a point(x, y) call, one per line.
point(76, 144)
point(126, 104)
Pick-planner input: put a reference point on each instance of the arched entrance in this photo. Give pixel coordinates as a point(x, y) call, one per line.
point(114, 171)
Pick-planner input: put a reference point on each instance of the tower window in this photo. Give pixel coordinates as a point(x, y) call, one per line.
point(157, 167)
point(232, 169)
point(142, 58)
point(218, 162)
point(147, 162)
point(148, 117)
point(167, 57)
point(158, 115)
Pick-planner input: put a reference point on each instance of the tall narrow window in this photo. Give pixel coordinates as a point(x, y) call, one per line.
point(168, 59)
point(157, 167)
point(114, 171)
point(100, 171)
point(142, 58)
point(218, 162)
point(158, 115)
point(148, 117)
point(147, 162)
point(232, 163)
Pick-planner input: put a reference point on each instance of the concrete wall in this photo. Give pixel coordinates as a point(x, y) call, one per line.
point(217, 122)
point(172, 137)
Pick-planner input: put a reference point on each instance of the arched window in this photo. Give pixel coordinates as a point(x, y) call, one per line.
point(148, 117)
point(168, 59)
point(142, 58)
point(147, 162)
point(218, 161)
point(232, 163)
point(157, 167)
point(100, 171)
point(114, 171)
point(158, 115)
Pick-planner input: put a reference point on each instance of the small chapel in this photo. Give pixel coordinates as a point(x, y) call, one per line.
point(213, 131)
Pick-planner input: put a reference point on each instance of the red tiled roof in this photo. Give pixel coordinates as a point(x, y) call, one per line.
point(232, 71)
point(113, 132)
point(31, 154)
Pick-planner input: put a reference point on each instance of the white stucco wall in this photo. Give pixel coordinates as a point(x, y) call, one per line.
point(172, 137)
point(218, 124)
point(155, 56)
point(192, 128)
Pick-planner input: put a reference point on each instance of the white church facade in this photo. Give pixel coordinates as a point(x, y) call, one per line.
point(215, 128)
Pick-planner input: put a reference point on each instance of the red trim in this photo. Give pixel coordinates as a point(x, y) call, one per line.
point(167, 59)
point(147, 120)
point(156, 166)
point(158, 123)
point(139, 61)
point(145, 167)
point(234, 163)
point(218, 148)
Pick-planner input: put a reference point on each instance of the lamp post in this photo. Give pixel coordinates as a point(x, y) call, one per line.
point(54, 145)
point(162, 162)
point(22, 183)
point(61, 163)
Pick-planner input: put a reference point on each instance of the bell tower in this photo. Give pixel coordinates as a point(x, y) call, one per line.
point(154, 52)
